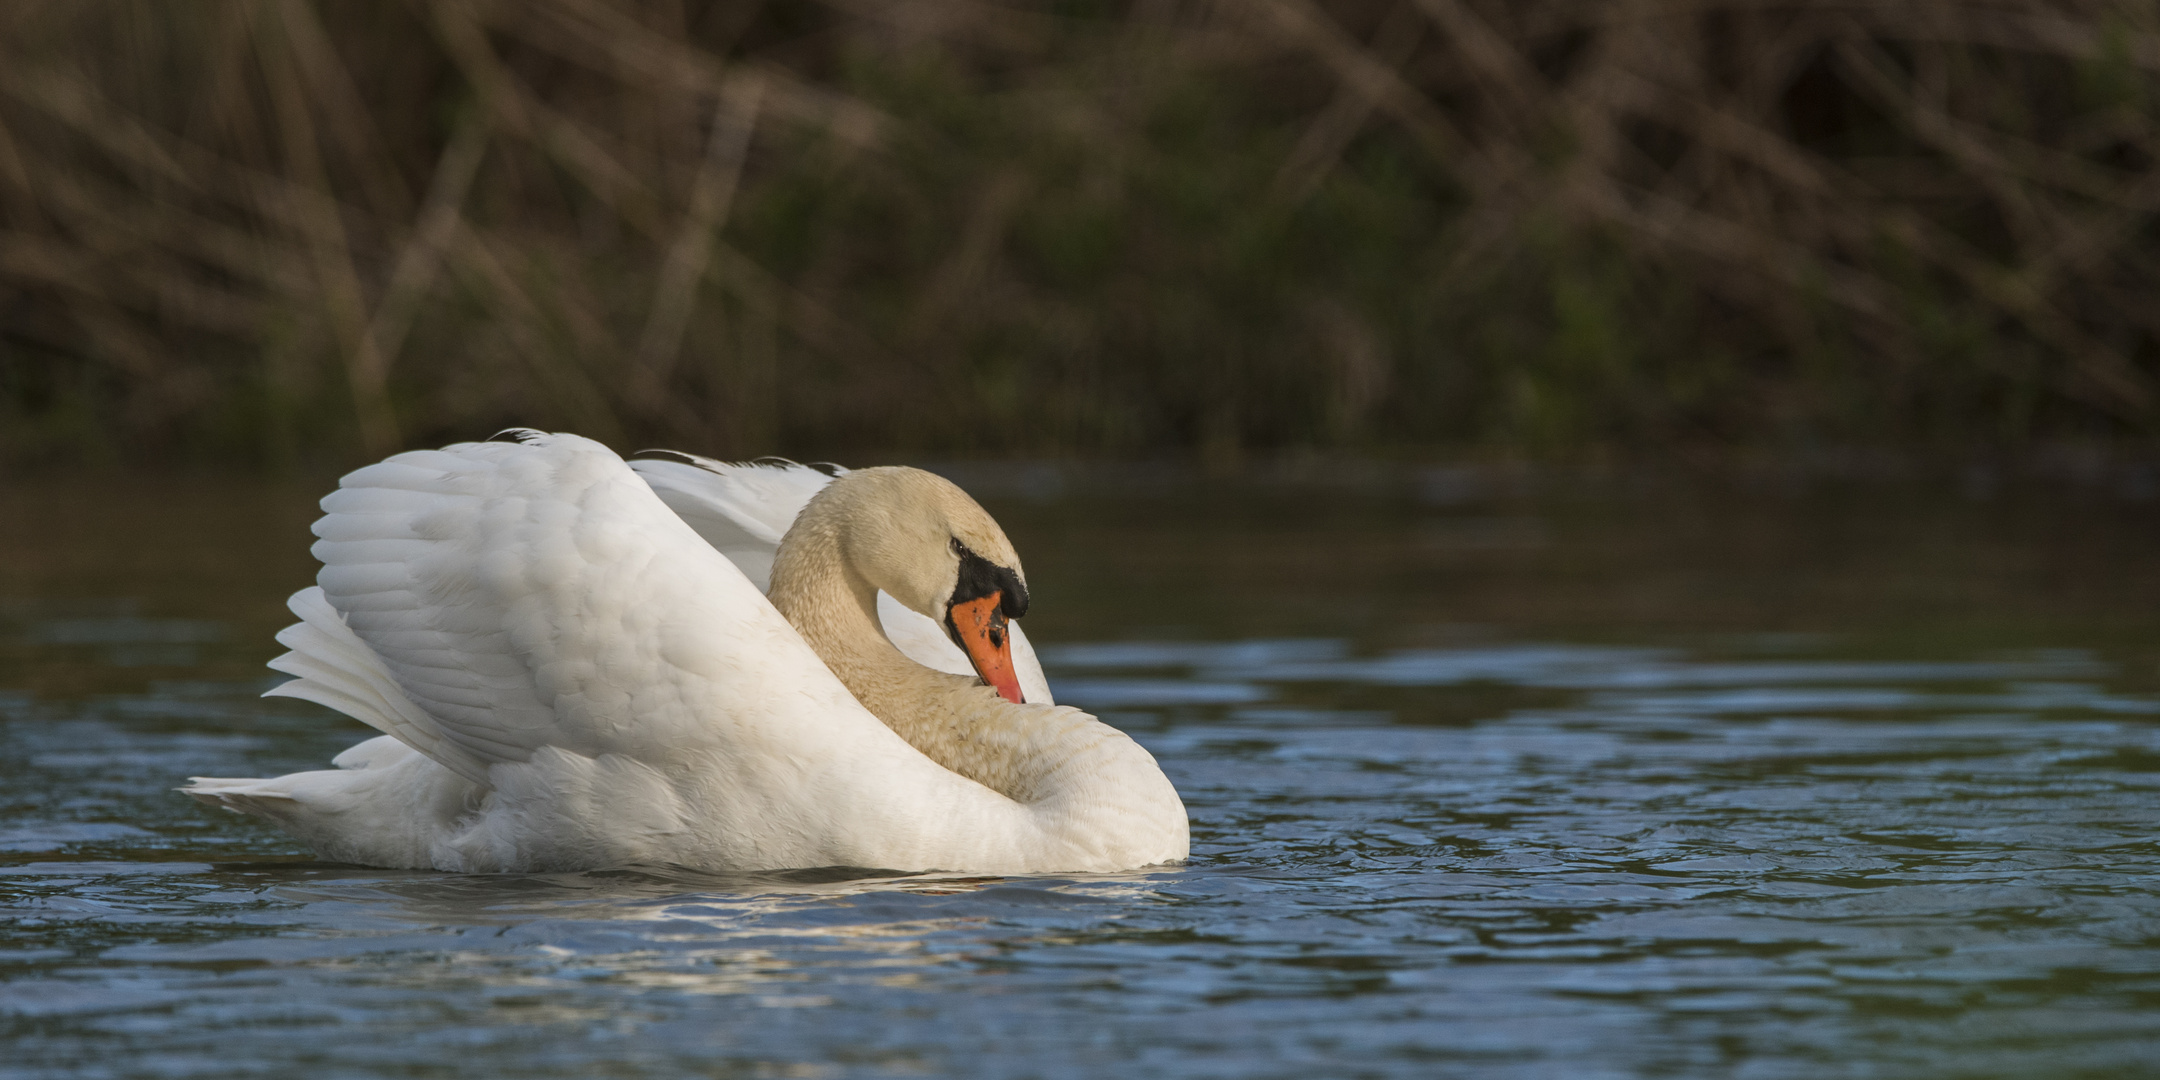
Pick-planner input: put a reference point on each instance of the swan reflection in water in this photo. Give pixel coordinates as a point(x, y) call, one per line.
point(665, 928)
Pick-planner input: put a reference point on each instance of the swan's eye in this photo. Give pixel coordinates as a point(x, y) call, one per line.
point(958, 548)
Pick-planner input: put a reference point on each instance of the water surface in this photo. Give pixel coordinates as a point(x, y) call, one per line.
point(1662, 780)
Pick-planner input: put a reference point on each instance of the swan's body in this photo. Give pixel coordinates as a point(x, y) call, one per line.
point(572, 675)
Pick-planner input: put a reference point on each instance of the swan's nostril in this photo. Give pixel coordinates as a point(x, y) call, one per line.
point(978, 627)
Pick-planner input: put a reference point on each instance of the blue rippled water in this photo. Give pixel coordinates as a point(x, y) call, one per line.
point(1691, 855)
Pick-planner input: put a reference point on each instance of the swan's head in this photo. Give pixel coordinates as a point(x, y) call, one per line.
point(920, 538)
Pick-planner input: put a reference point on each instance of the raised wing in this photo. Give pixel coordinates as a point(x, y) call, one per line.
point(532, 594)
point(744, 508)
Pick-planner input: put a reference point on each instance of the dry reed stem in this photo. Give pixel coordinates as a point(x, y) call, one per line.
point(322, 222)
point(734, 119)
point(1320, 147)
point(420, 260)
point(580, 218)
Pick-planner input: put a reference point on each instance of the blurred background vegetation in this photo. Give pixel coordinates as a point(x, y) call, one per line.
point(297, 233)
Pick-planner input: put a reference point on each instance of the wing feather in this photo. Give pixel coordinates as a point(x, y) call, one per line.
point(334, 668)
point(487, 600)
point(742, 509)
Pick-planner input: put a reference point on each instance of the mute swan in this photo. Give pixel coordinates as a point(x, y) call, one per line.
point(571, 673)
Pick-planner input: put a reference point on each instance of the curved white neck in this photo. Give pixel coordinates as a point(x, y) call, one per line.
point(954, 720)
point(1084, 782)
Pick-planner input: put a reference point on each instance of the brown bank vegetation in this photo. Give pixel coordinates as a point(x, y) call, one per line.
point(291, 231)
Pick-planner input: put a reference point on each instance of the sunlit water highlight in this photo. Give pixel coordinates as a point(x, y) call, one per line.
point(1751, 856)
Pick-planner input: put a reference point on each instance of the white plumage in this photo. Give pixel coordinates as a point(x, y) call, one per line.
point(574, 668)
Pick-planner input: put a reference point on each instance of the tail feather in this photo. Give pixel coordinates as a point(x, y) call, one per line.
point(253, 797)
point(384, 804)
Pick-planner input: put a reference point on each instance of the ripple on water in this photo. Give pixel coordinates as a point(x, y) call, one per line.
point(1651, 864)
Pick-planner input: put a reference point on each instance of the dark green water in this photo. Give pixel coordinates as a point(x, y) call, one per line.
point(1749, 780)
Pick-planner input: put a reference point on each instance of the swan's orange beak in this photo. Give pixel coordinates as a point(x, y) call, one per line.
point(980, 626)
